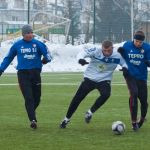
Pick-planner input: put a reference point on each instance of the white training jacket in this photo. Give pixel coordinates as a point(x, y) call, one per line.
point(100, 67)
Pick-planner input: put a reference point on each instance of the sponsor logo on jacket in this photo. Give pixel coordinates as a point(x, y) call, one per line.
point(141, 56)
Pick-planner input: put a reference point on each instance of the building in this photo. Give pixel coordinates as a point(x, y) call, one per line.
point(15, 13)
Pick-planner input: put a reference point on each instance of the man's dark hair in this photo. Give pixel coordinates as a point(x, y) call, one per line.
point(107, 44)
point(139, 35)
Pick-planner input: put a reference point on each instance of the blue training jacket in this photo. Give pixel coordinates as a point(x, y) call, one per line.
point(28, 55)
point(135, 58)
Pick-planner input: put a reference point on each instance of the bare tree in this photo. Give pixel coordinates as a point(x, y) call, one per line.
point(72, 11)
point(86, 11)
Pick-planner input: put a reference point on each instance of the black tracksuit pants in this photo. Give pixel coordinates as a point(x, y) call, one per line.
point(30, 85)
point(138, 90)
point(86, 87)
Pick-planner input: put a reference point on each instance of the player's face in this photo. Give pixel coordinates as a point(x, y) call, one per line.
point(138, 43)
point(107, 51)
point(28, 37)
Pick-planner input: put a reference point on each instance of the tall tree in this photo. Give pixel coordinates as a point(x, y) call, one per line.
point(86, 13)
point(112, 20)
point(72, 12)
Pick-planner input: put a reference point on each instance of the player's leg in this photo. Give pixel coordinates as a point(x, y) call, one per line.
point(104, 89)
point(26, 89)
point(133, 103)
point(85, 87)
point(142, 95)
point(36, 90)
point(36, 87)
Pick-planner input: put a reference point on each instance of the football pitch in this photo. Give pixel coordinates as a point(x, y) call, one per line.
point(57, 92)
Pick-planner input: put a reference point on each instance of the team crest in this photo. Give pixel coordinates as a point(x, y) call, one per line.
point(34, 45)
point(106, 59)
point(142, 50)
point(101, 67)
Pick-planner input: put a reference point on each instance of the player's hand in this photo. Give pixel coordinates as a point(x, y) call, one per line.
point(1, 72)
point(147, 62)
point(125, 71)
point(121, 51)
point(44, 61)
point(83, 62)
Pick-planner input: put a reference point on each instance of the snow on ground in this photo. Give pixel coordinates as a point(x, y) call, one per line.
point(64, 56)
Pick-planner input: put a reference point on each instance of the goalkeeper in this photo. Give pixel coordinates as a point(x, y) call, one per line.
point(28, 51)
point(98, 75)
point(137, 56)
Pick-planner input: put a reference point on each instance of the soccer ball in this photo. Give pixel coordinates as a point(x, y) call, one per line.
point(118, 127)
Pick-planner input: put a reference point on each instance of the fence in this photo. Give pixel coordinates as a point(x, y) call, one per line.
point(115, 20)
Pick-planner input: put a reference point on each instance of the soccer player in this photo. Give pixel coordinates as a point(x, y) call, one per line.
point(29, 52)
point(98, 75)
point(137, 56)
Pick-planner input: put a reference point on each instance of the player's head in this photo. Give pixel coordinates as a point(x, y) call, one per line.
point(27, 32)
point(139, 37)
point(107, 48)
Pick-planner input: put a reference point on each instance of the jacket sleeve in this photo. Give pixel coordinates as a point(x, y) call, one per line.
point(8, 59)
point(86, 53)
point(122, 62)
point(147, 56)
point(45, 52)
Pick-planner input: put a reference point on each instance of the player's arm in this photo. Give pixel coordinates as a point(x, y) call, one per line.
point(124, 66)
point(84, 54)
point(8, 59)
point(81, 58)
point(45, 52)
point(121, 50)
point(147, 59)
point(147, 62)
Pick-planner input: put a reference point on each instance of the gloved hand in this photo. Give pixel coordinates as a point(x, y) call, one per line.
point(147, 62)
point(125, 71)
point(44, 61)
point(121, 51)
point(1, 72)
point(83, 62)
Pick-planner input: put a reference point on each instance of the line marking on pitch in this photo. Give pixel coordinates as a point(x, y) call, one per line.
point(14, 84)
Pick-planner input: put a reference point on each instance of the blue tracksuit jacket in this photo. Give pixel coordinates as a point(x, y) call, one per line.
point(28, 55)
point(135, 58)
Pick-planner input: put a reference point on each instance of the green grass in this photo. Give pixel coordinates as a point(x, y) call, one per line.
point(57, 92)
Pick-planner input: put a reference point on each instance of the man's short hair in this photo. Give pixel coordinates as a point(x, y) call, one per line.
point(139, 35)
point(139, 32)
point(107, 44)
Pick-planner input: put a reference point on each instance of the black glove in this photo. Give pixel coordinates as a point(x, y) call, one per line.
point(126, 73)
point(121, 51)
point(44, 61)
point(83, 62)
point(147, 62)
point(1, 72)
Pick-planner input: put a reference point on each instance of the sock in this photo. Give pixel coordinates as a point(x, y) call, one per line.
point(89, 111)
point(66, 119)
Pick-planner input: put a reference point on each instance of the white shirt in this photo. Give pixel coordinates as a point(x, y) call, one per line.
point(100, 67)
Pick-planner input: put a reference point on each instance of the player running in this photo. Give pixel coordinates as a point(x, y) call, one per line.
point(29, 52)
point(137, 56)
point(98, 75)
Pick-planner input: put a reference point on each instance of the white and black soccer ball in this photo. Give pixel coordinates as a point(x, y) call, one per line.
point(118, 127)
